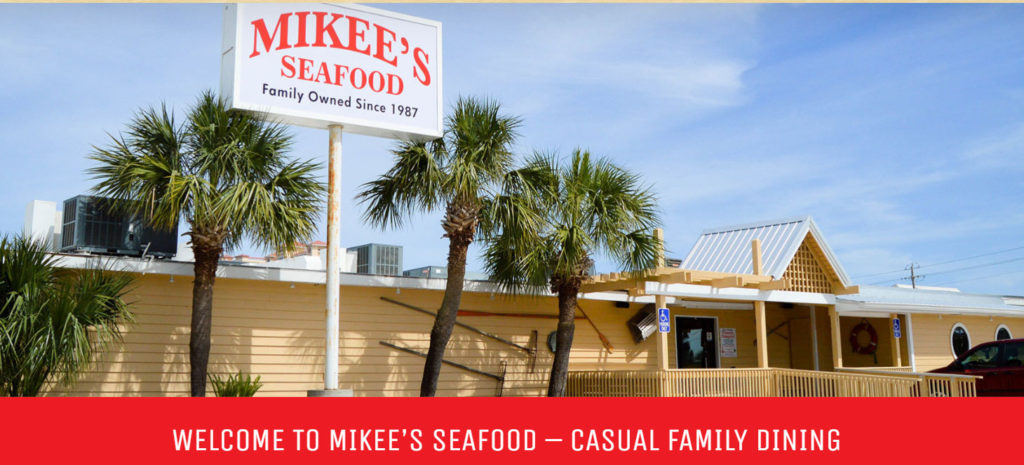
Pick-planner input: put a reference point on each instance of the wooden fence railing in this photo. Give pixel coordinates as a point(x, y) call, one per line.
point(764, 382)
point(929, 384)
point(859, 369)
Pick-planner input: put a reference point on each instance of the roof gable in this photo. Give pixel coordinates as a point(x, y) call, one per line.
point(728, 249)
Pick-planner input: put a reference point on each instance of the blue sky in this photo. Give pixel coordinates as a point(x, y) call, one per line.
point(899, 128)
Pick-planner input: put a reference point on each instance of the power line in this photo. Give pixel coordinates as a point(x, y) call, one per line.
point(937, 264)
point(979, 266)
point(958, 281)
point(947, 271)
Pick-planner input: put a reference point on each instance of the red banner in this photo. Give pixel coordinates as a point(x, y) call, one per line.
point(492, 430)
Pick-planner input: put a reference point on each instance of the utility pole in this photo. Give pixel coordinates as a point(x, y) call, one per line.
point(913, 277)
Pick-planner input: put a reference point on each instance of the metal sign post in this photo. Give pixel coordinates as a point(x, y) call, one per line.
point(333, 256)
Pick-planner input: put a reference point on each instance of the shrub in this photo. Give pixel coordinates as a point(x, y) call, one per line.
point(235, 385)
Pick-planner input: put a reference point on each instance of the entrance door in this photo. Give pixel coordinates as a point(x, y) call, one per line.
point(696, 342)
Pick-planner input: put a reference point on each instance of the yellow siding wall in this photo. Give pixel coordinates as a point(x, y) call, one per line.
point(931, 335)
point(273, 330)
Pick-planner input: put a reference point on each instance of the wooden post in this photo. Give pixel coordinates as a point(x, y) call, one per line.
point(837, 346)
point(755, 255)
point(759, 316)
point(895, 342)
point(660, 302)
point(762, 334)
point(814, 336)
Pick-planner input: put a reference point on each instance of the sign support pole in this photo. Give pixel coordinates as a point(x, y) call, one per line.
point(333, 281)
point(333, 252)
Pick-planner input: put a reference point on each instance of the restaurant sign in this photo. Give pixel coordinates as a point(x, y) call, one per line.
point(375, 72)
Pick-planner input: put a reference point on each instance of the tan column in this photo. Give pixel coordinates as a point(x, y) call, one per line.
point(659, 301)
point(759, 317)
point(837, 347)
point(895, 342)
point(762, 334)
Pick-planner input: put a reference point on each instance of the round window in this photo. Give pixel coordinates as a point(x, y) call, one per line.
point(1003, 333)
point(959, 339)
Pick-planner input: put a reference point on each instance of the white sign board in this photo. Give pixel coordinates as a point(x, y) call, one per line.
point(374, 72)
point(728, 341)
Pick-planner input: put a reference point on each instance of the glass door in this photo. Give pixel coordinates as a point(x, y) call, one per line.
point(696, 342)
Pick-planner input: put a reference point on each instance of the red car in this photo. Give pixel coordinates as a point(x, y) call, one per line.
point(999, 363)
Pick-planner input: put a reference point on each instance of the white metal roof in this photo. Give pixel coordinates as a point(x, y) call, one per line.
point(727, 249)
point(898, 299)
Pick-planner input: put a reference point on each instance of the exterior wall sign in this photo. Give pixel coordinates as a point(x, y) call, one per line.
point(728, 341)
point(897, 331)
point(374, 72)
point(664, 324)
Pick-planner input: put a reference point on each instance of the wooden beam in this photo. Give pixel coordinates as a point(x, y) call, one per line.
point(608, 286)
point(674, 278)
point(777, 285)
point(847, 290)
point(762, 334)
point(730, 281)
point(659, 235)
point(837, 346)
point(755, 255)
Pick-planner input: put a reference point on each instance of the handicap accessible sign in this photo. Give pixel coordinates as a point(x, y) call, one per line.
point(663, 321)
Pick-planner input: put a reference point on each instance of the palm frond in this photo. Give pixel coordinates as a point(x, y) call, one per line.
point(414, 183)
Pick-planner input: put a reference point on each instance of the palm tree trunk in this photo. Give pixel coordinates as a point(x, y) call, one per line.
point(563, 341)
point(458, 246)
point(202, 315)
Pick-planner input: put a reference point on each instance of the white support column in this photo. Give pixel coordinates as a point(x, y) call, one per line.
point(910, 343)
point(333, 259)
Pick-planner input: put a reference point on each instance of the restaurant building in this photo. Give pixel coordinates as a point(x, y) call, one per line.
point(762, 309)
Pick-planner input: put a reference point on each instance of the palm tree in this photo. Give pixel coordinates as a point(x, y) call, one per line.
point(588, 206)
point(458, 172)
point(227, 174)
point(52, 319)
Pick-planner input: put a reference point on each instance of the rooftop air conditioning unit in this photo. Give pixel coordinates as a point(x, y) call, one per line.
point(379, 259)
point(90, 227)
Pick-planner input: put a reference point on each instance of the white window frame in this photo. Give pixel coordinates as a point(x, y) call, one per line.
point(953, 330)
point(995, 336)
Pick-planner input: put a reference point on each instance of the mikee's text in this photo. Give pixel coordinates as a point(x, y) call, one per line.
point(297, 30)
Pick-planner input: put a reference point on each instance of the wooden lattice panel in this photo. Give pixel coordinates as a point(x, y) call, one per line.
point(806, 274)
